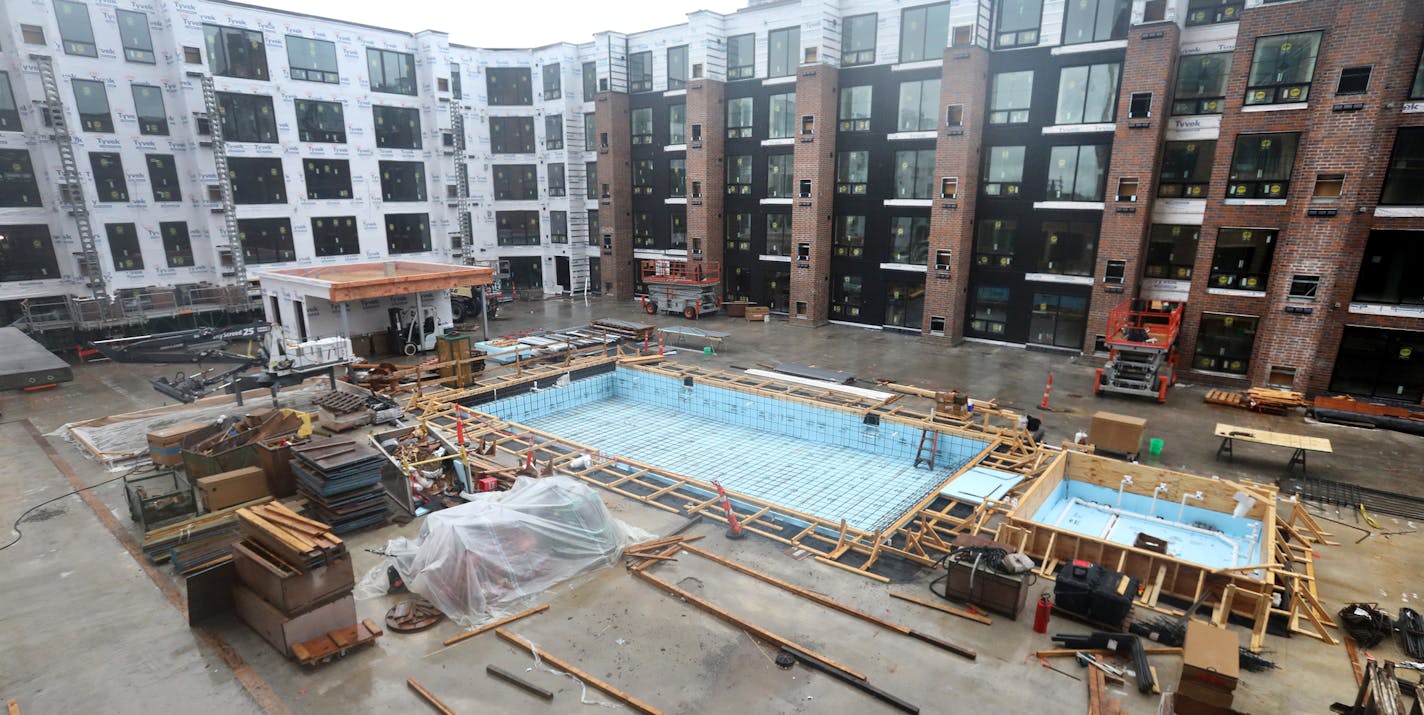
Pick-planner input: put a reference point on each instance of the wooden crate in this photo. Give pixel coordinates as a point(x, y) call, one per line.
point(757, 312)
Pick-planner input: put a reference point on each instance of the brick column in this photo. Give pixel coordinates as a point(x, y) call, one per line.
point(814, 159)
point(1136, 152)
point(963, 83)
point(706, 107)
point(615, 214)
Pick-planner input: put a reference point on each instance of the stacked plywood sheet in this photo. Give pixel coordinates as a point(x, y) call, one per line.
point(341, 480)
point(1266, 399)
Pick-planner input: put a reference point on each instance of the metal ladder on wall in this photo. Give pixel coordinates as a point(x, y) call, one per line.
point(71, 189)
point(462, 183)
point(576, 189)
point(214, 117)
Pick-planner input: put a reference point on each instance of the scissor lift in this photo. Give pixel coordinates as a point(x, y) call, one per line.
point(690, 288)
point(1142, 345)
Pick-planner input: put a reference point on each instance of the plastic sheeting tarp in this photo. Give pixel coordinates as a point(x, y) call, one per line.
point(476, 560)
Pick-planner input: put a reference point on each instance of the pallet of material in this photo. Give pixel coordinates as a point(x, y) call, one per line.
point(158, 544)
point(203, 553)
point(1265, 399)
point(297, 540)
point(623, 328)
point(336, 643)
point(1224, 397)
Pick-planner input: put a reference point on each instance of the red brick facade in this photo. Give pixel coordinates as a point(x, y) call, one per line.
point(615, 215)
point(707, 109)
point(811, 222)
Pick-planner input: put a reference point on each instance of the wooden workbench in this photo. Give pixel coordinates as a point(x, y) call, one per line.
point(1229, 434)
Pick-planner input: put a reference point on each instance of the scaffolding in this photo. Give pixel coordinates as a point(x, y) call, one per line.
point(71, 187)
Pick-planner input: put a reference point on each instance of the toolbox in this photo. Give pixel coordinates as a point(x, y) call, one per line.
point(1094, 593)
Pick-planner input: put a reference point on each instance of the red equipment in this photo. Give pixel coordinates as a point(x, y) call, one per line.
point(1041, 613)
point(1142, 343)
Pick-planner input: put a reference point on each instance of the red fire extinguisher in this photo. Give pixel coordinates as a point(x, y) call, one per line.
point(1040, 614)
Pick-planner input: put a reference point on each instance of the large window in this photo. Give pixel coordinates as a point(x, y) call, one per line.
point(235, 52)
point(109, 181)
point(1404, 178)
point(677, 178)
point(1010, 97)
point(408, 233)
point(177, 246)
point(1068, 248)
point(512, 135)
point(247, 118)
point(266, 240)
point(9, 111)
point(919, 106)
point(18, 186)
point(404, 180)
point(739, 232)
point(553, 131)
point(990, 314)
point(677, 67)
point(847, 296)
point(590, 81)
point(677, 230)
point(516, 182)
point(924, 32)
point(1087, 95)
point(1201, 83)
point(1389, 273)
point(553, 82)
point(1076, 173)
point(852, 172)
point(858, 40)
point(642, 229)
point(590, 172)
point(27, 253)
point(74, 28)
point(905, 303)
point(677, 124)
point(1282, 68)
point(1171, 251)
point(509, 86)
point(1017, 23)
point(782, 48)
point(910, 239)
point(257, 180)
point(1186, 169)
point(1380, 364)
point(336, 236)
point(313, 60)
point(778, 234)
point(1242, 258)
point(849, 238)
point(92, 102)
point(642, 125)
point(1058, 320)
point(643, 177)
point(994, 244)
point(914, 174)
point(327, 178)
point(854, 112)
point(593, 228)
point(1416, 91)
point(1211, 12)
point(1003, 171)
point(1261, 166)
point(148, 107)
point(779, 169)
point(517, 228)
point(739, 118)
point(590, 131)
point(558, 227)
point(323, 122)
point(782, 123)
point(123, 246)
point(163, 177)
point(134, 33)
point(1095, 21)
point(557, 185)
point(394, 72)
point(640, 72)
point(741, 56)
point(739, 174)
point(1224, 343)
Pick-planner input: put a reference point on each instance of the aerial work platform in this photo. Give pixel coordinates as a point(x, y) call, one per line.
point(1142, 345)
point(690, 288)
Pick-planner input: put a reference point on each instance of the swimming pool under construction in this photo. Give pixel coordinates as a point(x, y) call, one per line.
point(846, 475)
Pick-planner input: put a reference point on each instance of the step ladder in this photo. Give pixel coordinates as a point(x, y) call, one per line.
point(929, 447)
point(230, 233)
point(71, 185)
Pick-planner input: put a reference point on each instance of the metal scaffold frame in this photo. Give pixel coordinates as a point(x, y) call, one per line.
point(71, 187)
point(214, 117)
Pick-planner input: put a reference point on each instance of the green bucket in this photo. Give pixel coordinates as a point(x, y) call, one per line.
point(1154, 447)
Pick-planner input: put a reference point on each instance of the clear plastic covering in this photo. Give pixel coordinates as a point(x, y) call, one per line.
point(477, 560)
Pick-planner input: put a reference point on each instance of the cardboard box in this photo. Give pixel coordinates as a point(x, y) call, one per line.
point(290, 590)
point(284, 631)
point(165, 446)
point(226, 489)
point(1210, 658)
point(1117, 433)
point(1203, 693)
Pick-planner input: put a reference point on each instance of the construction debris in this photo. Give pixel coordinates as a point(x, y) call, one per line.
point(518, 682)
point(413, 615)
point(541, 654)
point(428, 697)
point(298, 541)
point(341, 479)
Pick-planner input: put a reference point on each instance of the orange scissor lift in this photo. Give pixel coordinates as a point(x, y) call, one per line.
point(691, 288)
point(1142, 344)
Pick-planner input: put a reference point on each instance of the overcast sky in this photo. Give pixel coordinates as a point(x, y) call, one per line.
point(509, 23)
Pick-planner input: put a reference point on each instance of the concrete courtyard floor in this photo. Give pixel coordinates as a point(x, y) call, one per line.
point(88, 627)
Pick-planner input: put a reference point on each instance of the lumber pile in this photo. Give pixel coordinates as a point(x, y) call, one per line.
point(1224, 397)
point(242, 431)
point(639, 556)
point(1266, 399)
point(158, 545)
point(295, 539)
